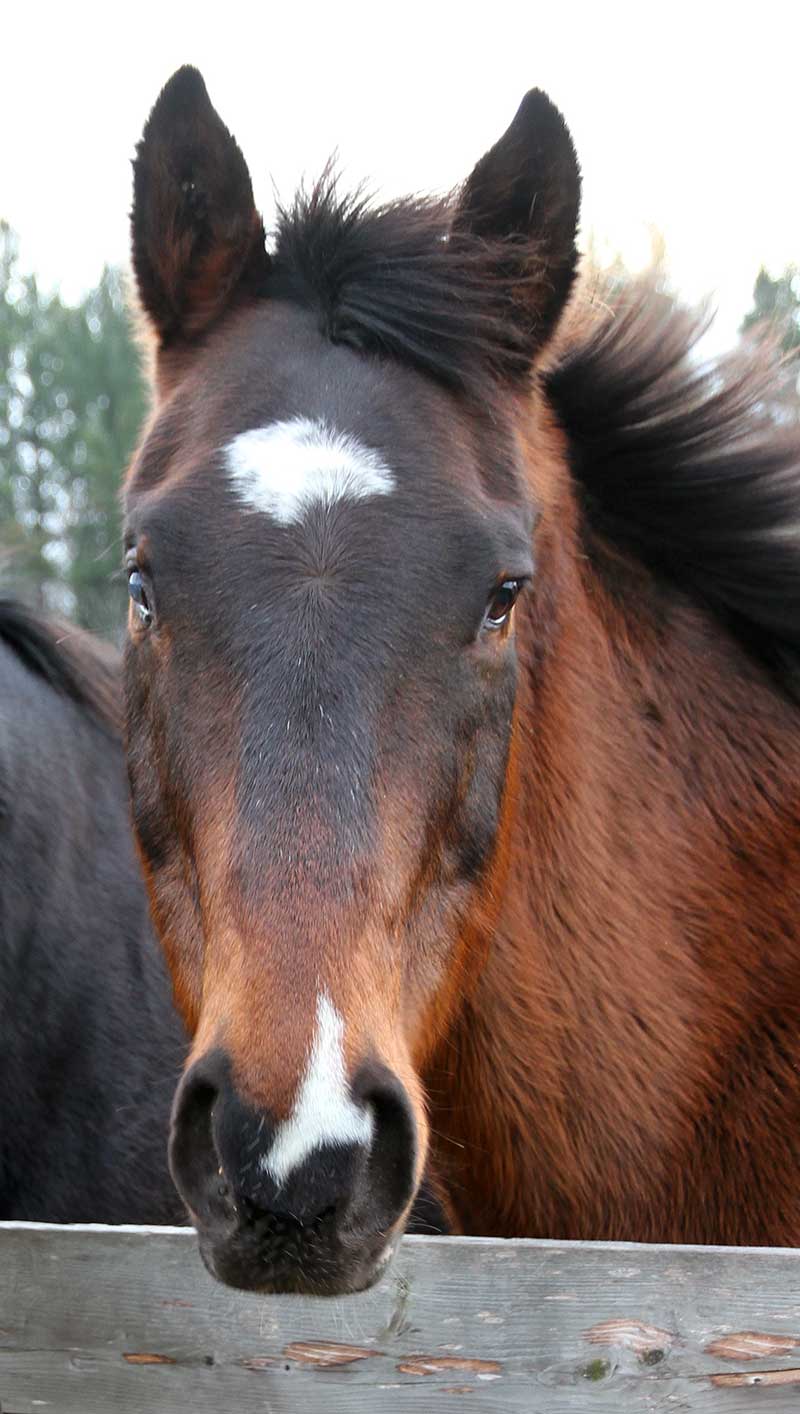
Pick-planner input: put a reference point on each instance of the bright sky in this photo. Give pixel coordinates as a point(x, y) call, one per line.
point(684, 115)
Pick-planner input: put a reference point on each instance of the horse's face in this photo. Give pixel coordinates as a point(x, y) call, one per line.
point(319, 721)
point(324, 552)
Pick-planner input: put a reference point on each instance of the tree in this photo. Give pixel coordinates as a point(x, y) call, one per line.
point(72, 399)
point(774, 321)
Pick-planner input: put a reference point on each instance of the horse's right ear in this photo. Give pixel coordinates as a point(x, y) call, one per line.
point(525, 194)
point(196, 235)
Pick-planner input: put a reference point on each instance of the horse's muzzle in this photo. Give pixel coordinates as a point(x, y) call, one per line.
point(323, 1225)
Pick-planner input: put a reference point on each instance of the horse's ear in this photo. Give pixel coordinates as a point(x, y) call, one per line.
point(196, 235)
point(526, 191)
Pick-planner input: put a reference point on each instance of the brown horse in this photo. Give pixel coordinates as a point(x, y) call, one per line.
point(462, 724)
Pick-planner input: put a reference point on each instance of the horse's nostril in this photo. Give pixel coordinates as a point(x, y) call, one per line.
point(194, 1162)
point(391, 1164)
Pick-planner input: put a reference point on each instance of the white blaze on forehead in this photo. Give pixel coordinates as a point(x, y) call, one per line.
point(324, 1112)
point(284, 468)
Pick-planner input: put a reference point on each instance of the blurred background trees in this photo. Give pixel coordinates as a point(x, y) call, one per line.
point(73, 398)
point(775, 319)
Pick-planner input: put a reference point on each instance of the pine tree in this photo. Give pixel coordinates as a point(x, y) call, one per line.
point(775, 318)
point(72, 400)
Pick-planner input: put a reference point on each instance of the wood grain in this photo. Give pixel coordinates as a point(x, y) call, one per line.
point(126, 1321)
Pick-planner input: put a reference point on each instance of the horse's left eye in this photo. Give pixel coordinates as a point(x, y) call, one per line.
point(138, 594)
point(501, 603)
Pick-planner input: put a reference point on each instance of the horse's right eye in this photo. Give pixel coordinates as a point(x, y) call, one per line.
point(503, 599)
point(139, 597)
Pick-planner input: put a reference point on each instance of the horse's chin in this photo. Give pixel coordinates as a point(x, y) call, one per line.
point(240, 1260)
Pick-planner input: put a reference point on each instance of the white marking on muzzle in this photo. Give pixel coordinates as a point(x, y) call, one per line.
point(284, 468)
point(324, 1112)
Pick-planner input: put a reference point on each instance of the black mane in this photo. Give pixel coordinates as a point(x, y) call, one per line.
point(396, 279)
point(68, 659)
point(678, 462)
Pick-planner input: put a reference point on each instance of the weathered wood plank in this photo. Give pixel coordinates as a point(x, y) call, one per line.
point(122, 1320)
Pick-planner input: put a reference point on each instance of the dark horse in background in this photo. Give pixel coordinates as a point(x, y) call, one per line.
point(90, 1045)
point(462, 724)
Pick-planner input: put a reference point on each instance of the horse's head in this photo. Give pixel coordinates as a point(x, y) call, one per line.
point(328, 524)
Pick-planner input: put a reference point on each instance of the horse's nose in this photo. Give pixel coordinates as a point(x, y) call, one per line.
point(352, 1164)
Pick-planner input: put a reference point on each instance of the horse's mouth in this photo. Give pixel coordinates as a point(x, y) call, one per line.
point(317, 1261)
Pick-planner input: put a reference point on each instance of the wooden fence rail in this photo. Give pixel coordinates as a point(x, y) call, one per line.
point(98, 1320)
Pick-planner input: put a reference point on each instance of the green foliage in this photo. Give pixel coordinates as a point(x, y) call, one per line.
point(775, 319)
point(777, 302)
point(72, 399)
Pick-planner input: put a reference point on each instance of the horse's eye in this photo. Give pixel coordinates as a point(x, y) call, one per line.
point(501, 603)
point(138, 594)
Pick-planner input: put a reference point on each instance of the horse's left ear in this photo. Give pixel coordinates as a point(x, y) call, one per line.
point(196, 235)
point(526, 190)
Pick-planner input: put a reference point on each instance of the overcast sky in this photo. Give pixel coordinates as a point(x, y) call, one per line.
point(685, 117)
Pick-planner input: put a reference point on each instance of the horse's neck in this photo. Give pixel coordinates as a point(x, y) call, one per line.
point(582, 1059)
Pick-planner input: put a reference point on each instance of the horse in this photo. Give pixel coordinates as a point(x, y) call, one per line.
point(461, 691)
point(91, 1047)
